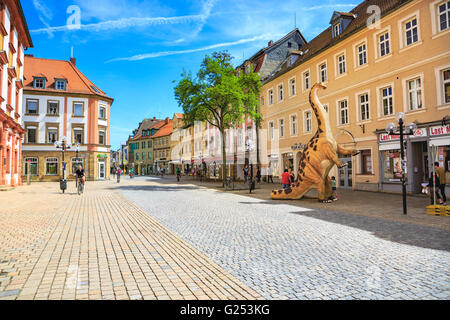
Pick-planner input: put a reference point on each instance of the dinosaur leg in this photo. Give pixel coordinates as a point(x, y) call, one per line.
point(328, 188)
point(347, 151)
point(332, 154)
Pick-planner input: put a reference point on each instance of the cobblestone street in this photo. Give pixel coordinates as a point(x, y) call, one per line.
point(289, 252)
point(149, 238)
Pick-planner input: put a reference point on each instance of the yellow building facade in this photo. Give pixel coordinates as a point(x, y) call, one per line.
point(373, 69)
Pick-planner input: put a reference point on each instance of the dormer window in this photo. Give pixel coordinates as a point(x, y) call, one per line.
point(39, 83)
point(60, 84)
point(337, 29)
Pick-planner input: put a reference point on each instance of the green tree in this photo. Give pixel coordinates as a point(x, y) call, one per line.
point(219, 96)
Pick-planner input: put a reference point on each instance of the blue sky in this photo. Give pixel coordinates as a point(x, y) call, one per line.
point(134, 49)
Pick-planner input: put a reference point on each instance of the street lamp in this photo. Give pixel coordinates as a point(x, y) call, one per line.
point(63, 145)
point(391, 129)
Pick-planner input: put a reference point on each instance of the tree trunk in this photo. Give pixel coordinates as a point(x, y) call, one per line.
point(224, 159)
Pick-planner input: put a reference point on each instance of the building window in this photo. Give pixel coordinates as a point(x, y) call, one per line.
point(33, 166)
point(262, 101)
point(341, 64)
point(343, 112)
point(39, 83)
point(383, 44)
point(149, 144)
point(60, 85)
point(31, 135)
point(101, 137)
point(308, 121)
point(366, 162)
point(52, 135)
point(306, 80)
point(337, 29)
point(410, 29)
point(444, 15)
point(143, 144)
point(78, 136)
point(446, 85)
point(52, 108)
point(271, 130)
point(137, 156)
point(387, 101)
point(280, 92)
point(323, 72)
point(78, 109)
point(414, 94)
point(143, 156)
point(364, 112)
point(281, 127)
point(32, 106)
point(271, 96)
point(292, 87)
point(362, 54)
point(76, 162)
point(102, 113)
point(51, 166)
point(293, 125)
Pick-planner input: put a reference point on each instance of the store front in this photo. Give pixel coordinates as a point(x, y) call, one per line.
point(427, 145)
point(275, 165)
point(288, 160)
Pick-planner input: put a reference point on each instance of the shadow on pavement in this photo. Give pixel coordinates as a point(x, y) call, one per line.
point(155, 188)
point(400, 232)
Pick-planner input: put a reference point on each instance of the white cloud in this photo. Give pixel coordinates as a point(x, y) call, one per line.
point(214, 46)
point(44, 14)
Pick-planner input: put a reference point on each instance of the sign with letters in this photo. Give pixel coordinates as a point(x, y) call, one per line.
point(439, 130)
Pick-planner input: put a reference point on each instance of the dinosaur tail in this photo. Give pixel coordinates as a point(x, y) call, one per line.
point(293, 192)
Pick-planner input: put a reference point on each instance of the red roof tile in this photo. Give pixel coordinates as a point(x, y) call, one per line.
point(165, 130)
point(51, 69)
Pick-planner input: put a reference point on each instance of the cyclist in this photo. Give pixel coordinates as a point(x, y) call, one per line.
point(80, 174)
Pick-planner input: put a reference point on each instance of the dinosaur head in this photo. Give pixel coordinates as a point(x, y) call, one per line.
point(322, 85)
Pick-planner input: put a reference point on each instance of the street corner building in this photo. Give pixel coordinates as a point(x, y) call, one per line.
point(372, 72)
point(60, 102)
point(14, 38)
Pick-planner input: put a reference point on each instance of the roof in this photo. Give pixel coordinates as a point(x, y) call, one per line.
point(179, 115)
point(51, 69)
point(324, 40)
point(148, 126)
point(274, 44)
point(165, 130)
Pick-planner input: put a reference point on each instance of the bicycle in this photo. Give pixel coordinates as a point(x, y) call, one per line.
point(80, 186)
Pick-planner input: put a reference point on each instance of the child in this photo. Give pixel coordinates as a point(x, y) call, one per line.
point(333, 187)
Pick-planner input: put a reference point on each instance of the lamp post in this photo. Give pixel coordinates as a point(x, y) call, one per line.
point(63, 145)
point(392, 129)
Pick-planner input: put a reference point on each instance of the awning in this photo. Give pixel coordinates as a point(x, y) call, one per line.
point(442, 141)
point(389, 146)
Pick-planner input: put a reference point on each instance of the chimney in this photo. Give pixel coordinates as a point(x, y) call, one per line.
point(73, 60)
point(154, 118)
point(270, 43)
point(167, 120)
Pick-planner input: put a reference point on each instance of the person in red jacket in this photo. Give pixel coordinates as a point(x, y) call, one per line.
point(285, 179)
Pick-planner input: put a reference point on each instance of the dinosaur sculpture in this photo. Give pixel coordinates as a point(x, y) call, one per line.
point(319, 156)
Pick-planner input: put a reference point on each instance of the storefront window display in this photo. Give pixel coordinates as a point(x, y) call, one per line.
point(392, 165)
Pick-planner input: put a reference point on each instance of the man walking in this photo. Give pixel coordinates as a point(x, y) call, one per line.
point(441, 174)
point(269, 174)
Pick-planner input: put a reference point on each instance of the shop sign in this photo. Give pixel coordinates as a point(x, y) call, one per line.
point(439, 130)
point(384, 137)
point(102, 156)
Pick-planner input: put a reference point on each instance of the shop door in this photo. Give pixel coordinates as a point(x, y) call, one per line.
point(101, 170)
point(419, 166)
point(345, 174)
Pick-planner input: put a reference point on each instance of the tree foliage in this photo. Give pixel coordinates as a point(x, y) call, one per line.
point(218, 95)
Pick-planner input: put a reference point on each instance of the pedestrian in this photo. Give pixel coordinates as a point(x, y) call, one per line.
point(291, 173)
point(245, 173)
point(119, 171)
point(131, 173)
point(285, 179)
point(442, 180)
point(269, 174)
point(258, 175)
point(434, 187)
point(333, 188)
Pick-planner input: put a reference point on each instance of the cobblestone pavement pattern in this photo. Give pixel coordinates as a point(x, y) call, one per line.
point(99, 246)
point(288, 252)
